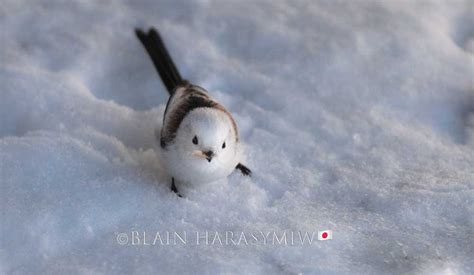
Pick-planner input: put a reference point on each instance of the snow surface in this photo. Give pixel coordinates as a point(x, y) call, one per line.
point(358, 116)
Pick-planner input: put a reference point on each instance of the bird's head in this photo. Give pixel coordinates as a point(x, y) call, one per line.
point(207, 135)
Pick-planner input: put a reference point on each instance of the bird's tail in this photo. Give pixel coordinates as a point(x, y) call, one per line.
point(161, 59)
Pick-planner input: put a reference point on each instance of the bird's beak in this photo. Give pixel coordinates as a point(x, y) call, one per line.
point(207, 155)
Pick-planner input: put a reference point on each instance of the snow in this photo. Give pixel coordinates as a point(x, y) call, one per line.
point(357, 117)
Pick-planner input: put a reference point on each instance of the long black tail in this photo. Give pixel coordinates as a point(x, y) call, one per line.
point(161, 58)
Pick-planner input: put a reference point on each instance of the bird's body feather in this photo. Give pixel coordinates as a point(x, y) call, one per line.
point(186, 98)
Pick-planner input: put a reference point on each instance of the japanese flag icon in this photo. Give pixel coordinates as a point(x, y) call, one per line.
point(324, 235)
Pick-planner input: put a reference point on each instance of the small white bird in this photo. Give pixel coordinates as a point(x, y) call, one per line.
point(199, 137)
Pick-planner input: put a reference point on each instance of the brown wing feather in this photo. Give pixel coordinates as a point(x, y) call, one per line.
point(195, 97)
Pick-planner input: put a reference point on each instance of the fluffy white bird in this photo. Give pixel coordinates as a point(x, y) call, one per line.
point(199, 137)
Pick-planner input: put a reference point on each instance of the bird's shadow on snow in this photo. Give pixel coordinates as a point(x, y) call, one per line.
point(462, 32)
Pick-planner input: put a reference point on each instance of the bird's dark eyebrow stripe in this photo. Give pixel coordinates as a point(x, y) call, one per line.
point(197, 99)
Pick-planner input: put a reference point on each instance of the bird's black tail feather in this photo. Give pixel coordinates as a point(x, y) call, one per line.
point(161, 58)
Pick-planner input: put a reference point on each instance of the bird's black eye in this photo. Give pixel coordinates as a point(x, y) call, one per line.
point(223, 145)
point(195, 140)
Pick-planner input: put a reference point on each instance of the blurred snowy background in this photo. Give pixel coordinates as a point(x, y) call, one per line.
point(358, 116)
